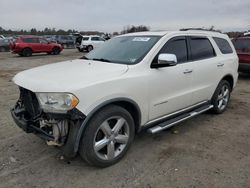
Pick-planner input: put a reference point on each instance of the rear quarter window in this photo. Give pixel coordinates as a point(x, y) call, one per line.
point(201, 48)
point(223, 45)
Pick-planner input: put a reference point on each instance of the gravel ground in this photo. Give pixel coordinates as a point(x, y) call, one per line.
point(206, 151)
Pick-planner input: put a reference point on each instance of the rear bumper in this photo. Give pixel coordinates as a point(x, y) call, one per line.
point(244, 67)
point(82, 47)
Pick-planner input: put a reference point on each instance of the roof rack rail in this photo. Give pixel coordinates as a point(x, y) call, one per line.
point(198, 29)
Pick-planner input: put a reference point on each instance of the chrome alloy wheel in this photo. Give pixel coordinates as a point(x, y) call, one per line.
point(111, 138)
point(223, 97)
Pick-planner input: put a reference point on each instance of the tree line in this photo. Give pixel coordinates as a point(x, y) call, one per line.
point(126, 29)
point(53, 31)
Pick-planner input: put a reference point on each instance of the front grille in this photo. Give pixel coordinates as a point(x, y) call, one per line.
point(30, 102)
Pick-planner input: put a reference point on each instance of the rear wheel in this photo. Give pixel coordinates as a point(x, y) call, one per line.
point(56, 51)
point(27, 52)
point(90, 48)
point(221, 97)
point(108, 136)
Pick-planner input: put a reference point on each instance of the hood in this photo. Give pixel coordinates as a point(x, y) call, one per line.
point(68, 76)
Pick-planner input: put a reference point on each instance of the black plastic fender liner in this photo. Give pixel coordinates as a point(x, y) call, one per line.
point(90, 115)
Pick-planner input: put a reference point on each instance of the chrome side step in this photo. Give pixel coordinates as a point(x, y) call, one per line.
point(171, 122)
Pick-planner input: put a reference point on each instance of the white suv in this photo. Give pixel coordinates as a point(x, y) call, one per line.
point(88, 43)
point(95, 105)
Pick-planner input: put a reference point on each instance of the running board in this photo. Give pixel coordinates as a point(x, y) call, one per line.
point(171, 122)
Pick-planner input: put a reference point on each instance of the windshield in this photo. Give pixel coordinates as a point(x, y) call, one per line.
point(124, 50)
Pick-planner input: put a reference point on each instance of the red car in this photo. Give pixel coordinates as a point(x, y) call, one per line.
point(27, 45)
point(242, 46)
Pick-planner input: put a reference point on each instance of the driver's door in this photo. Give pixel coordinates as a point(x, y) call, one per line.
point(171, 87)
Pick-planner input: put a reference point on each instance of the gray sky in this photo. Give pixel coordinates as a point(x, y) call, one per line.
point(113, 15)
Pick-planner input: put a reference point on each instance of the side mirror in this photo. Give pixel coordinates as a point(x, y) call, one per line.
point(165, 60)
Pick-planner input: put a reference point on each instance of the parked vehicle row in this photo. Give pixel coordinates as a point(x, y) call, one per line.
point(148, 80)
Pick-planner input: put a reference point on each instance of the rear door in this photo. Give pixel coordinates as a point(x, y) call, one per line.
point(44, 45)
point(206, 68)
point(171, 87)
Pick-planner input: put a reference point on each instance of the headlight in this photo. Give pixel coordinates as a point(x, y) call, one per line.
point(57, 102)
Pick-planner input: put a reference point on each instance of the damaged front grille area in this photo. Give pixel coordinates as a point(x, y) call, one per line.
point(29, 116)
point(29, 101)
point(52, 127)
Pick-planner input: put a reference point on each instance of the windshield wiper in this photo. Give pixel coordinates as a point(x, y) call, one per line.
point(84, 57)
point(101, 59)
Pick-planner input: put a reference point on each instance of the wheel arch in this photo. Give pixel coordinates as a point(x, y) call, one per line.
point(230, 79)
point(131, 106)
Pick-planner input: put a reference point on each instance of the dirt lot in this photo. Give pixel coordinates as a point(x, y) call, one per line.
point(207, 151)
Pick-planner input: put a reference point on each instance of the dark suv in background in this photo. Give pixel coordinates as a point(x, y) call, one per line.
point(65, 40)
point(4, 45)
point(242, 46)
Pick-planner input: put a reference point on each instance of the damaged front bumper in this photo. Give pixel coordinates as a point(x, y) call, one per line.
point(52, 127)
point(29, 126)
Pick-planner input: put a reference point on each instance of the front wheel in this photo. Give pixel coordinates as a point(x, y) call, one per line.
point(221, 97)
point(107, 137)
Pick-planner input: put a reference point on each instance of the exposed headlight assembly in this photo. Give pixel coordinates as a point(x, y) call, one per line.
point(57, 102)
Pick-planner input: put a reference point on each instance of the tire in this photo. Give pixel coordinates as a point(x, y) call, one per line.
point(80, 50)
point(221, 97)
point(56, 51)
point(68, 148)
point(90, 48)
point(2, 49)
point(27, 52)
point(112, 131)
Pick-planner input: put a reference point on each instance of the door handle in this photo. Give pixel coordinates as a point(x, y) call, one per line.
point(220, 64)
point(188, 71)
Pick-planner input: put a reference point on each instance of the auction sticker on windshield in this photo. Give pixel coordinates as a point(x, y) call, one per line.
point(141, 39)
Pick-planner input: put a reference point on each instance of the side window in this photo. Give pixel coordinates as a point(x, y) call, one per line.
point(31, 40)
point(43, 40)
point(85, 38)
point(201, 48)
point(223, 45)
point(95, 38)
point(177, 46)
